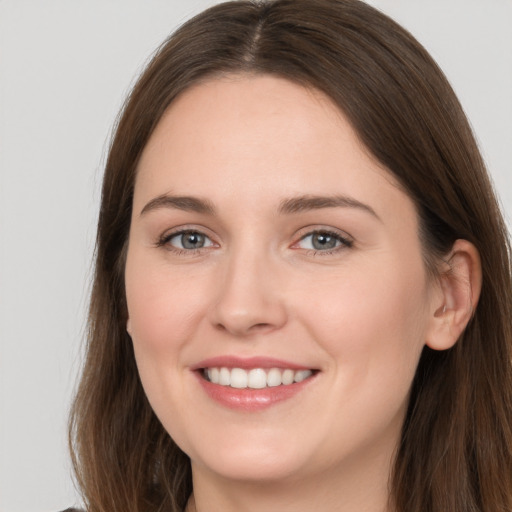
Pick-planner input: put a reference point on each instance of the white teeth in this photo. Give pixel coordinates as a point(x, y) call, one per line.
point(288, 376)
point(300, 376)
point(224, 377)
point(239, 378)
point(274, 378)
point(257, 378)
point(213, 375)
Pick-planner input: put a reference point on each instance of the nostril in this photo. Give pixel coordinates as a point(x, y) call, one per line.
point(260, 326)
point(257, 327)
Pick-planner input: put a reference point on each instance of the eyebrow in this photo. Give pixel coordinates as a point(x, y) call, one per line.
point(186, 203)
point(288, 206)
point(311, 202)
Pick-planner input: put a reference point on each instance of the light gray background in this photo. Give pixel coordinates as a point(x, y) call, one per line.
point(65, 67)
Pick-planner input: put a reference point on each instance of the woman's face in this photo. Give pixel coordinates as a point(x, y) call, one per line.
point(267, 246)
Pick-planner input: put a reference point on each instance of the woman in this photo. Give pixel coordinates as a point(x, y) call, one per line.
point(302, 293)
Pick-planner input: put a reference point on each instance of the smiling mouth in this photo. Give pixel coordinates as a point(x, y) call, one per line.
point(256, 378)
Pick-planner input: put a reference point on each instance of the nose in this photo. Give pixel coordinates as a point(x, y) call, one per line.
point(250, 297)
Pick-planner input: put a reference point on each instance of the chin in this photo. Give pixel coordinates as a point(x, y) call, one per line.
point(253, 461)
point(254, 470)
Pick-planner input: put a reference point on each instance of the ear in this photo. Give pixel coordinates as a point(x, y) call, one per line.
point(129, 326)
point(455, 301)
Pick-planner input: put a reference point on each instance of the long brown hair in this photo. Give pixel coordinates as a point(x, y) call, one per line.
point(455, 453)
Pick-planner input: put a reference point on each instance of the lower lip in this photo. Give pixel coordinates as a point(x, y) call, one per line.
point(251, 399)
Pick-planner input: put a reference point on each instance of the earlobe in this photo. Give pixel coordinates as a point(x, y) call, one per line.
point(129, 327)
point(457, 297)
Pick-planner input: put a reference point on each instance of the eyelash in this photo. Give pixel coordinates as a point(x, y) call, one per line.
point(164, 241)
point(344, 242)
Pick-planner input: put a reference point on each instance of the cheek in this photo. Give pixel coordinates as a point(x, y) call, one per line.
point(373, 318)
point(372, 327)
point(163, 307)
point(163, 314)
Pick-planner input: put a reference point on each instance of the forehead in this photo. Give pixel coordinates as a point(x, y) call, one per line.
point(232, 115)
point(258, 137)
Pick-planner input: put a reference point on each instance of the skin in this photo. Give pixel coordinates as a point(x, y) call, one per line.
point(359, 314)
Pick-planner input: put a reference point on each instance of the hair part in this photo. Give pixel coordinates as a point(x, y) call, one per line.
point(455, 450)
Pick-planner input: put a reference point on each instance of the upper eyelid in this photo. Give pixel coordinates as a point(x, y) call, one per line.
point(310, 230)
point(334, 234)
point(185, 228)
point(168, 235)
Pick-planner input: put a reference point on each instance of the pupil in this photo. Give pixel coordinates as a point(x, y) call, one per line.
point(192, 240)
point(323, 241)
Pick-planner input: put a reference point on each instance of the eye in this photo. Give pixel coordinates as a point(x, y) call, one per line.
point(187, 240)
point(324, 241)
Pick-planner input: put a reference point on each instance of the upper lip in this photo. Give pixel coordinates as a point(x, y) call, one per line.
point(248, 363)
